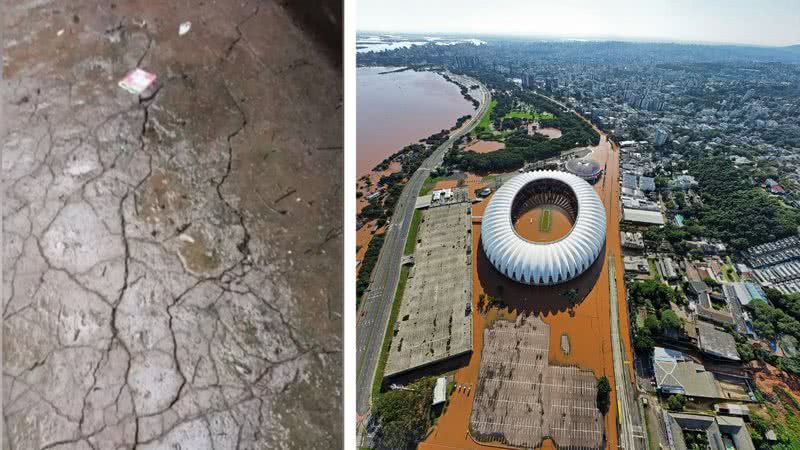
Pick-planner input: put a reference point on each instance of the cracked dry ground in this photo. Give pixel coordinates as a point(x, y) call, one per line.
point(171, 262)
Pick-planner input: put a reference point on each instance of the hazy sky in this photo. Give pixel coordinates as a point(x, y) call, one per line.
point(765, 22)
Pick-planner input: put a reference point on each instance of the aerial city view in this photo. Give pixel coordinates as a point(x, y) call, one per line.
point(578, 239)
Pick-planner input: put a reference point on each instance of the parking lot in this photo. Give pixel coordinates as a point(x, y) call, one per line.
point(521, 399)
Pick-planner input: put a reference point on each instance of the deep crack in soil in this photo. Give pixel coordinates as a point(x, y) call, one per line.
point(157, 294)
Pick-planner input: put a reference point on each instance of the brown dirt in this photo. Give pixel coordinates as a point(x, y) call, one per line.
point(163, 195)
point(480, 146)
point(550, 132)
point(586, 321)
point(445, 184)
point(196, 254)
point(471, 182)
point(770, 377)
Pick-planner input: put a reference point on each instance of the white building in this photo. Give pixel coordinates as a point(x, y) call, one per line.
point(544, 263)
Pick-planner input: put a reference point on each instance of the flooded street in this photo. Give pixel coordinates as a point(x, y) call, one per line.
point(400, 108)
point(167, 255)
point(585, 322)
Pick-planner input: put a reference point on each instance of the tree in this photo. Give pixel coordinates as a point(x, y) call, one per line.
point(402, 415)
point(746, 352)
point(676, 402)
point(652, 324)
point(603, 395)
point(736, 212)
point(670, 320)
point(790, 364)
point(764, 318)
point(370, 259)
point(712, 283)
point(643, 341)
point(656, 294)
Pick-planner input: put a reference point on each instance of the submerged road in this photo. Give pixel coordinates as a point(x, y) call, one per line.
point(631, 433)
point(629, 418)
point(376, 309)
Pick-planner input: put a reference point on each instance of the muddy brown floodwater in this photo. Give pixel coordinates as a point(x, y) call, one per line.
point(531, 226)
point(480, 146)
point(170, 260)
point(549, 132)
point(400, 108)
point(585, 321)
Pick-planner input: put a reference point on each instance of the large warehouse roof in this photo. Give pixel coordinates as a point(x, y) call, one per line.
point(543, 263)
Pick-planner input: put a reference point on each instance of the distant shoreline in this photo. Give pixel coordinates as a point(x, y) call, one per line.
point(402, 69)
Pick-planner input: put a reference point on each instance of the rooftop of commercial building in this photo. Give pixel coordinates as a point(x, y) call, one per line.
point(716, 342)
point(721, 432)
point(677, 373)
point(642, 216)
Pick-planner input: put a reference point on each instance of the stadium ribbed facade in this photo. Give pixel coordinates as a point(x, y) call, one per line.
point(544, 263)
point(587, 169)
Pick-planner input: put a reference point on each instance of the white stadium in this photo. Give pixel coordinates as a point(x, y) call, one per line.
point(544, 263)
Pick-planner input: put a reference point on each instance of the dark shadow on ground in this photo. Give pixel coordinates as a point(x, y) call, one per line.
point(438, 368)
point(323, 21)
point(543, 300)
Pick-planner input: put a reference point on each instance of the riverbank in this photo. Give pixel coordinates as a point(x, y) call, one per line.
point(398, 107)
point(367, 183)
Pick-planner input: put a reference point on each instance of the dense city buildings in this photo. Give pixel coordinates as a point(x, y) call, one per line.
point(701, 188)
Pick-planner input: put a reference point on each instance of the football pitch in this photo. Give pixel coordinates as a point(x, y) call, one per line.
point(546, 221)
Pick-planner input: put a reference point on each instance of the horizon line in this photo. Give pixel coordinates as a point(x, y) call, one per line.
point(609, 38)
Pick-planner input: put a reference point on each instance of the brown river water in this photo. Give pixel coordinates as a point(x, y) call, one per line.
point(397, 109)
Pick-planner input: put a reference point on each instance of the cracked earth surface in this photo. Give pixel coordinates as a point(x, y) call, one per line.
point(171, 261)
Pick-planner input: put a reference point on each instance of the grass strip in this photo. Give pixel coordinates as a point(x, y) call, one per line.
point(411, 240)
point(545, 221)
point(387, 338)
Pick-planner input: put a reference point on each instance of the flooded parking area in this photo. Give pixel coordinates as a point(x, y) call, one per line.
point(520, 398)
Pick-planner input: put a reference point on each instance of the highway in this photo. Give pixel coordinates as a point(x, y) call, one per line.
point(631, 432)
point(376, 308)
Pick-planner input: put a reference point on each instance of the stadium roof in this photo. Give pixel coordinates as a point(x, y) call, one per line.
point(584, 168)
point(543, 263)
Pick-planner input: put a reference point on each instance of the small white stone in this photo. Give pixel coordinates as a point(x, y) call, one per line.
point(184, 28)
point(186, 238)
